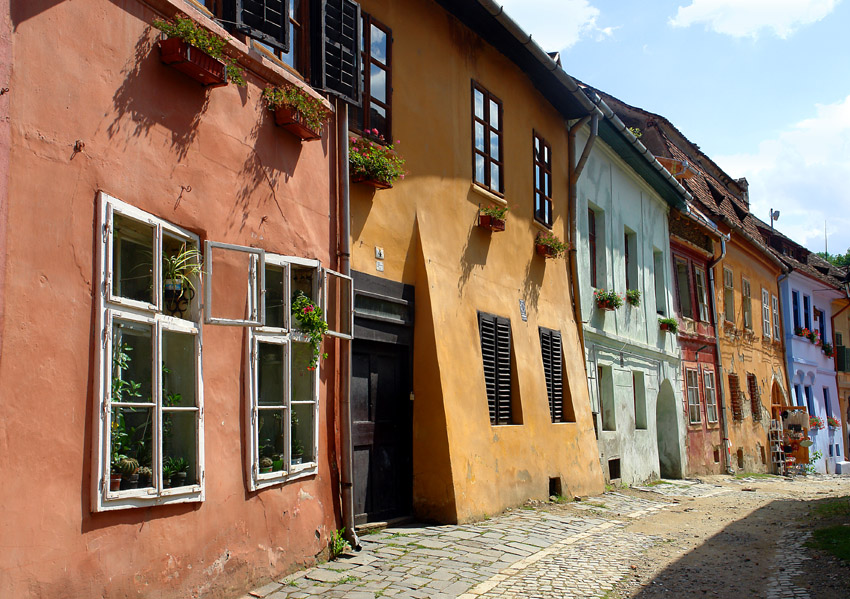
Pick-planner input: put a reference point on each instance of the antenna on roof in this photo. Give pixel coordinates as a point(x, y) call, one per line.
point(825, 241)
point(774, 215)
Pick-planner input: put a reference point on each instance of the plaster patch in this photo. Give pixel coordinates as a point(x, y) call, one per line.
point(304, 496)
point(217, 566)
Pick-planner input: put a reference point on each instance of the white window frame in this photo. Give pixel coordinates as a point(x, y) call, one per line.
point(700, 289)
point(765, 313)
point(777, 333)
point(256, 285)
point(285, 336)
point(111, 308)
point(728, 295)
point(693, 406)
point(709, 385)
point(332, 274)
point(747, 303)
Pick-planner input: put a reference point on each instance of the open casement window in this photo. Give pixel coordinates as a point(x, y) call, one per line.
point(264, 20)
point(336, 45)
point(765, 313)
point(776, 325)
point(710, 395)
point(150, 392)
point(728, 296)
point(702, 300)
point(376, 60)
point(283, 386)
point(225, 304)
point(683, 288)
point(746, 304)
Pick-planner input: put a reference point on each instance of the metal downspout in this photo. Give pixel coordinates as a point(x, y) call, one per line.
point(574, 173)
point(346, 450)
point(724, 423)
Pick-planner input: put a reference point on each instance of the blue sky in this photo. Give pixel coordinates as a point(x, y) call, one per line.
point(762, 86)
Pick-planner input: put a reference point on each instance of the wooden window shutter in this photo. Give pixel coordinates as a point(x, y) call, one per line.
point(735, 397)
point(264, 20)
point(336, 48)
point(550, 347)
point(496, 355)
point(755, 396)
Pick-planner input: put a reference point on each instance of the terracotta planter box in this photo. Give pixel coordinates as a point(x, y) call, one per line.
point(545, 251)
point(491, 223)
point(370, 182)
point(291, 120)
point(196, 63)
point(605, 306)
point(665, 327)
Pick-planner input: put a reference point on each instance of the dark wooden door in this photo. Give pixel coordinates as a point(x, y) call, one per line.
point(382, 427)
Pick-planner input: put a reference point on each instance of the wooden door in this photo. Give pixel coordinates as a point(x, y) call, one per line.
point(382, 427)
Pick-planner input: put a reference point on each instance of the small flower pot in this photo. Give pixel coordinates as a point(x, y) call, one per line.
point(665, 327)
point(545, 251)
point(178, 480)
point(130, 482)
point(365, 180)
point(605, 306)
point(193, 62)
point(266, 470)
point(491, 223)
point(296, 460)
point(292, 120)
point(115, 481)
point(144, 481)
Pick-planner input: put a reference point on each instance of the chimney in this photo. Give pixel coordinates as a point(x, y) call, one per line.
point(745, 190)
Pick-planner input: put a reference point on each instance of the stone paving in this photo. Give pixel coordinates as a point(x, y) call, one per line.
point(787, 562)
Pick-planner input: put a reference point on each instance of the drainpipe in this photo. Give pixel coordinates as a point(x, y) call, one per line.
point(346, 450)
point(575, 173)
point(724, 423)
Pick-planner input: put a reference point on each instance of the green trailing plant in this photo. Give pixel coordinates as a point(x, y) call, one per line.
point(607, 299)
point(311, 109)
point(182, 266)
point(671, 323)
point(312, 323)
point(193, 34)
point(633, 297)
point(370, 157)
point(338, 544)
point(810, 467)
point(494, 211)
point(550, 241)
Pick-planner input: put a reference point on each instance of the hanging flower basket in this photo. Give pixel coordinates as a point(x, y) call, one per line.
point(291, 120)
point(297, 111)
point(195, 63)
point(365, 180)
point(607, 301)
point(492, 218)
point(373, 162)
point(833, 423)
point(549, 246)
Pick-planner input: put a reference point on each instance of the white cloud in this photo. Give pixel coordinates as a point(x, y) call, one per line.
point(557, 24)
point(804, 173)
point(746, 18)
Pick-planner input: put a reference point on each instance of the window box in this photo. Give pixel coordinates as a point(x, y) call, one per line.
point(195, 63)
point(668, 324)
point(545, 251)
point(294, 122)
point(491, 223)
point(365, 180)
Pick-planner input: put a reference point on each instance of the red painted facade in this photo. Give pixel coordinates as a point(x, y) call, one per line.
point(94, 109)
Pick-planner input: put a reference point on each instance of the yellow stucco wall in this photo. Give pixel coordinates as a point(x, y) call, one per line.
point(465, 468)
point(841, 322)
point(742, 352)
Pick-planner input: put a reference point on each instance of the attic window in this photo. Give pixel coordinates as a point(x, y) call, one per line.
point(715, 193)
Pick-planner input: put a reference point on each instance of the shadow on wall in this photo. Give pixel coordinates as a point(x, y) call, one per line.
point(667, 430)
point(154, 95)
point(22, 11)
point(474, 253)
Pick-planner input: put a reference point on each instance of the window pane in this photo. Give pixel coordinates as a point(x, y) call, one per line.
point(547, 184)
point(378, 47)
point(181, 269)
point(378, 118)
point(132, 259)
point(302, 378)
point(302, 433)
point(683, 285)
point(131, 361)
point(270, 374)
point(179, 449)
point(338, 304)
point(494, 146)
point(178, 369)
point(132, 437)
point(494, 115)
point(365, 305)
point(275, 316)
point(378, 81)
point(303, 279)
point(479, 169)
point(494, 177)
point(479, 136)
point(271, 435)
point(479, 104)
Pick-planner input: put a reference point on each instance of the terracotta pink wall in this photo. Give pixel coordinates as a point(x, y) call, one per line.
point(5, 74)
point(89, 70)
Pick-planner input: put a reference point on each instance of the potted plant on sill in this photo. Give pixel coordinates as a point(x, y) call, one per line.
point(297, 111)
point(266, 465)
point(633, 297)
point(129, 469)
point(668, 324)
point(828, 350)
point(833, 423)
point(145, 475)
point(816, 423)
point(492, 217)
point(179, 468)
point(549, 246)
point(373, 162)
point(177, 272)
point(607, 300)
point(311, 323)
point(198, 53)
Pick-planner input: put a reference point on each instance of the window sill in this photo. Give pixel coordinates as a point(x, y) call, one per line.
point(541, 226)
point(140, 498)
point(271, 479)
point(489, 195)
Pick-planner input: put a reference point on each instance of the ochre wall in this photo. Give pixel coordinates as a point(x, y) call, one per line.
point(740, 353)
point(841, 322)
point(89, 70)
point(427, 223)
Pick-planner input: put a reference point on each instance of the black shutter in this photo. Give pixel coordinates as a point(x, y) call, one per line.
point(336, 48)
point(842, 355)
point(264, 20)
point(550, 347)
point(496, 355)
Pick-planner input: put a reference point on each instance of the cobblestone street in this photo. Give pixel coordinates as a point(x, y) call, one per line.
point(541, 551)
